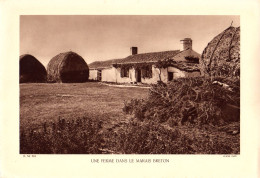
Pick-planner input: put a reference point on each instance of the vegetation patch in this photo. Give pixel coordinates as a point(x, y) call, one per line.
point(163, 123)
point(63, 137)
point(188, 100)
point(185, 116)
point(149, 137)
point(88, 136)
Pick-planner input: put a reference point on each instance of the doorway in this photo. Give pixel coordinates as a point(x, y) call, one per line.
point(138, 75)
point(170, 76)
point(99, 75)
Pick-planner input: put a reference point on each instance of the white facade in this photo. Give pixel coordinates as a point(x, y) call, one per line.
point(108, 75)
point(93, 74)
point(129, 79)
point(113, 74)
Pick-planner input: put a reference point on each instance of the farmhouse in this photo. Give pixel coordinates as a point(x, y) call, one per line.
point(31, 70)
point(148, 67)
point(67, 67)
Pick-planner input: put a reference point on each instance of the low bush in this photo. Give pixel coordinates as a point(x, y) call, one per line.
point(81, 136)
point(153, 138)
point(187, 100)
point(87, 136)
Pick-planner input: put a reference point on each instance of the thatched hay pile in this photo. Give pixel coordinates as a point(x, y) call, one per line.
point(31, 70)
point(67, 67)
point(221, 57)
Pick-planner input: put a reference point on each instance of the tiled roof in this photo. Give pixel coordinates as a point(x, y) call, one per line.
point(102, 64)
point(176, 55)
point(148, 57)
point(186, 66)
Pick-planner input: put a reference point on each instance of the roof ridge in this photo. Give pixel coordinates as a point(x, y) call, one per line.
point(106, 60)
point(154, 52)
point(137, 58)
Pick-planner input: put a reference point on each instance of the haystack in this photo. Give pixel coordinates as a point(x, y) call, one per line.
point(68, 67)
point(31, 70)
point(221, 57)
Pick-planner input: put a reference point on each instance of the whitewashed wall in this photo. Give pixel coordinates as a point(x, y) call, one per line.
point(92, 74)
point(176, 72)
point(129, 79)
point(113, 75)
point(132, 78)
point(109, 75)
point(164, 75)
point(155, 76)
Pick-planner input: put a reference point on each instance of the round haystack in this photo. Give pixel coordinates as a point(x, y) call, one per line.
point(221, 57)
point(68, 67)
point(31, 70)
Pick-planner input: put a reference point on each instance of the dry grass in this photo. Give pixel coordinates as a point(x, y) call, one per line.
point(46, 102)
point(92, 122)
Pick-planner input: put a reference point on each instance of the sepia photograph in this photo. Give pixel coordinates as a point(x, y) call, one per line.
point(129, 84)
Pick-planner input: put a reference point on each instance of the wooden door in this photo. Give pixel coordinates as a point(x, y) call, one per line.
point(99, 75)
point(138, 75)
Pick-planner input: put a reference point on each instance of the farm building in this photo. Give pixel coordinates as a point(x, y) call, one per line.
point(68, 67)
point(148, 67)
point(102, 71)
point(31, 70)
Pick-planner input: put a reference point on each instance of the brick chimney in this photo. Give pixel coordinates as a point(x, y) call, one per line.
point(187, 43)
point(133, 50)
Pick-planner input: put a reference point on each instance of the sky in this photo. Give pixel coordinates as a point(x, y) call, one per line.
point(104, 37)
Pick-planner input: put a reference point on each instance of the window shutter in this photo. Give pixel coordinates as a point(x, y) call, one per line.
point(121, 72)
point(150, 72)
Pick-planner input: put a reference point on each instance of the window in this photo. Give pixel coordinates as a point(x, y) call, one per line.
point(147, 72)
point(124, 72)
